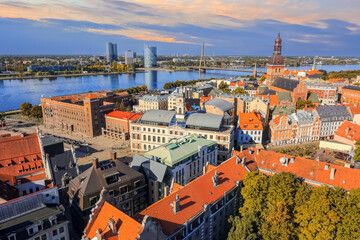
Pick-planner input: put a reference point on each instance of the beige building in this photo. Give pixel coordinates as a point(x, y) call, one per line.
point(221, 107)
point(247, 104)
point(157, 127)
point(176, 102)
point(148, 102)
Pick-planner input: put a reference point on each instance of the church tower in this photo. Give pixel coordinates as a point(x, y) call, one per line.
point(275, 67)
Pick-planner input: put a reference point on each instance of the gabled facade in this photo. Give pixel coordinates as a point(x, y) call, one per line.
point(250, 128)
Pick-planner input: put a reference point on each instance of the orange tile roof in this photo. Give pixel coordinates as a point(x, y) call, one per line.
point(239, 84)
point(124, 115)
point(274, 100)
point(313, 171)
point(278, 118)
point(312, 72)
point(354, 110)
point(205, 99)
point(348, 130)
point(209, 167)
point(195, 194)
point(20, 153)
point(250, 121)
point(128, 228)
point(175, 187)
point(91, 96)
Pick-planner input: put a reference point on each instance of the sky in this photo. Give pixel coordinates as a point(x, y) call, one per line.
point(227, 27)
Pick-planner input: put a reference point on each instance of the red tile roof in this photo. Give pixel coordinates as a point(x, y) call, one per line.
point(91, 96)
point(205, 99)
point(278, 118)
point(127, 228)
point(237, 84)
point(124, 115)
point(194, 195)
point(250, 121)
point(348, 130)
point(20, 153)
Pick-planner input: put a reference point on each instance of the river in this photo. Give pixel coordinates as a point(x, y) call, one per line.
point(14, 92)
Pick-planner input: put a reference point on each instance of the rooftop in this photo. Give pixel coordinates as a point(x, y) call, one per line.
point(221, 104)
point(250, 121)
point(285, 83)
point(124, 115)
point(159, 116)
point(212, 121)
point(348, 130)
point(333, 113)
point(179, 149)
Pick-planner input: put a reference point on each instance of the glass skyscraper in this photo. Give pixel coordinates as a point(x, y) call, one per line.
point(150, 56)
point(111, 52)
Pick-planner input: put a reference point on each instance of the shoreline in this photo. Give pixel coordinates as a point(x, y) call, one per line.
point(139, 70)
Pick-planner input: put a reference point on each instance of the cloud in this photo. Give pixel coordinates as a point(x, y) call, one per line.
point(138, 34)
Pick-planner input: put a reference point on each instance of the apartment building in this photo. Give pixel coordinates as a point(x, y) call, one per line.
point(331, 118)
point(176, 102)
point(117, 124)
point(348, 133)
point(247, 104)
point(250, 128)
point(175, 163)
point(80, 113)
point(124, 183)
point(148, 102)
point(221, 107)
point(350, 94)
point(302, 126)
point(157, 127)
point(326, 93)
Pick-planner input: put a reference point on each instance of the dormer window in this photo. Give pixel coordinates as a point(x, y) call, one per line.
point(30, 230)
point(12, 236)
point(53, 221)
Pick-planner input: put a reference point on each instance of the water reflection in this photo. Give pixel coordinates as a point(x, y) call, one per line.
point(151, 79)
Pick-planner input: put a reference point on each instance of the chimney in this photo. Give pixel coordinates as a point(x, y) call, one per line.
point(257, 152)
point(347, 130)
point(204, 170)
point(166, 191)
point(243, 162)
point(95, 162)
point(215, 179)
point(332, 173)
point(23, 134)
point(112, 226)
point(241, 148)
point(176, 204)
point(347, 165)
point(113, 155)
point(98, 234)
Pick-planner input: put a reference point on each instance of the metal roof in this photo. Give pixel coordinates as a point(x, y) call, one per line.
point(221, 104)
point(285, 83)
point(333, 113)
point(162, 116)
point(204, 120)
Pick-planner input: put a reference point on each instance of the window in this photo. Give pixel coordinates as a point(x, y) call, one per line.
point(123, 189)
point(61, 230)
point(92, 201)
point(12, 236)
point(31, 231)
point(54, 232)
point(53, 220)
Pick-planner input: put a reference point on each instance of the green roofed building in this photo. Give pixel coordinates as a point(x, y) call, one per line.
point(186, 157)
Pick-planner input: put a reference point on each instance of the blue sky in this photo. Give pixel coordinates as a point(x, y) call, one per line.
point(228, 27)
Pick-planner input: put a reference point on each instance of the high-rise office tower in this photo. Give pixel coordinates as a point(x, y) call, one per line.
point(150, 56)
point(129, 56)
point(111, 52)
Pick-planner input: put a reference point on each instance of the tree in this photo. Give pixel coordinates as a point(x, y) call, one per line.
point(223, 85)
point(244, 228)
point(2, 117)
point(357, 151)
point(239, 90)
point(120, 106)
point(36, 111)
point(25, 109)
point(262, 78)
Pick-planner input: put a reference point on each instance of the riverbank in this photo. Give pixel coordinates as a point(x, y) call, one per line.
point(65, 75)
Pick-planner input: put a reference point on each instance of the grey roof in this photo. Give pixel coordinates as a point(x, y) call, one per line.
point(303, 117)
point(215, 92)
point(49, 140)
point(352, 87)
point(63, 164)
point(93, 179)
point(162, 116)
point(283, 110)
point(155, 98)
point(152, 169)
point(204, 120)
point(221, 104)
point(313, 97)
point(285, 83)
point(333, 113)
point(284, 96)
point(19, 224)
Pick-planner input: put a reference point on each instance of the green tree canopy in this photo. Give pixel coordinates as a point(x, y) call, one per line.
point(25, 109)
point(36, 111)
